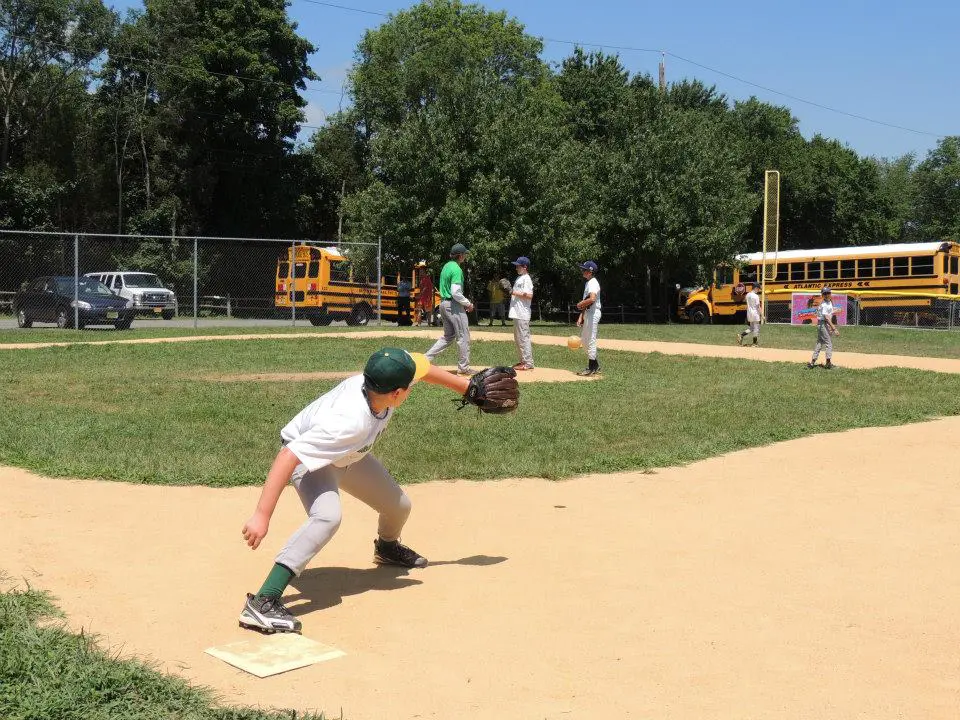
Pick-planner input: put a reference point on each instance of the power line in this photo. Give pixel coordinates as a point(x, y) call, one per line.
point(627, 48)
point(802, 100)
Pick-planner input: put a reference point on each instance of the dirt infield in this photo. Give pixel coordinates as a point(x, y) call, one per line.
point(860, 361)
point(816, 578)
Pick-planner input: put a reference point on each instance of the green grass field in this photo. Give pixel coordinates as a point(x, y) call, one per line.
point(891, 341)
point(47, 673)
point(148, 413)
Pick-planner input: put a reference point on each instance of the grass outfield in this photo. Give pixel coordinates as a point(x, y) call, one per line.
point(48, 672)
point(146, 413)
point(887, 341)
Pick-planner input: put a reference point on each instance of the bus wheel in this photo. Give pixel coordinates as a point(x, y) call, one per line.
point(321, 319)
point(699, 314)
point(360, 315)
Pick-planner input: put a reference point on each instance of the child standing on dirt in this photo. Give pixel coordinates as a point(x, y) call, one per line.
point(325, 450)
point(826, 329)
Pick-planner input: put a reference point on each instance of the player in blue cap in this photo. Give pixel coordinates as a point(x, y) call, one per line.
point(589, 318)
point(520, 299)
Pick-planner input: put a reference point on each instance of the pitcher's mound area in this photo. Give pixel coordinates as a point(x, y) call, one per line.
point(816, 578)
point(536, 375)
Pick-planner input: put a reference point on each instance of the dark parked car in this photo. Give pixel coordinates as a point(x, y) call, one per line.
point(51, 300)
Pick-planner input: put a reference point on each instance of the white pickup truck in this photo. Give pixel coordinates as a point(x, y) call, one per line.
point(148, 294)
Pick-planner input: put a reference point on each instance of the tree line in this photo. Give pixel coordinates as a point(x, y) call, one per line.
point(183, 118)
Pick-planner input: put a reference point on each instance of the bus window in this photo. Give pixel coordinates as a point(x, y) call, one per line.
point(724, 276)
point(847, 269)
point(883, 267)
point(901, 266)
point(814, 271)
point(782, 272)
point(300, 270)
point(339, 271)
point(922, 265)
point(830, 270)
point(954, 262)
point(283, 270)
point(865, 268)
point(314, 269)
point(797, 271)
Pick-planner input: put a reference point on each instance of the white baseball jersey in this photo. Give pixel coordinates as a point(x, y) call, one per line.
point(338, 428)
point(520, 307)
point(592, 286)
point(824, 310)
point(753, 307)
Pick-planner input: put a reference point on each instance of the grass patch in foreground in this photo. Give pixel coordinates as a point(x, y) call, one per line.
point(47, 672)
point(149, 413)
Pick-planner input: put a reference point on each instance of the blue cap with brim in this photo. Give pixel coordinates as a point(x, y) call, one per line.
point(522, 261)
point(589, 265)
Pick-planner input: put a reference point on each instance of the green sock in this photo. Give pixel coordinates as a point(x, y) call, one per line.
point(277, 581)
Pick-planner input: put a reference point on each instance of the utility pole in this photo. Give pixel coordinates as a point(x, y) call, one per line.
point(663, 71)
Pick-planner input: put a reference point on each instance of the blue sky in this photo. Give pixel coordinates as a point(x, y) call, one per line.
point(893, 62)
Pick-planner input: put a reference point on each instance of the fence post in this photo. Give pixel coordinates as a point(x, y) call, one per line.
point(623, 316)
point(195, 266)
point(379, 283)
point(76, 281)
point(568, 312)
point(293, 284)
point(229, 314)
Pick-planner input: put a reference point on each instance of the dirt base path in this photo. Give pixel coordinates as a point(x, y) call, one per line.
point(844, 359)
point(825, 585)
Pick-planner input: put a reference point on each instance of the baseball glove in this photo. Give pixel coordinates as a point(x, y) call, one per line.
point(506, 285)
point(494, 390)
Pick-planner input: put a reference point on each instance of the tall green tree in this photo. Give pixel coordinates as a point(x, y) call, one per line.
point(44, 45)
point(462, 118)
point(937, 181)
point(202, 101)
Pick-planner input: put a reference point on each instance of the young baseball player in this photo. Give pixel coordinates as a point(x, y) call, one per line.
point(325, 450)
point(825, 330)
point(589, 318)
point(520, 299)
point(753, 316)
point(454, 307)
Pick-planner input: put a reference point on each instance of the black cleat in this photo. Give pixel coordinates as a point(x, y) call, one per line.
point(391, 552)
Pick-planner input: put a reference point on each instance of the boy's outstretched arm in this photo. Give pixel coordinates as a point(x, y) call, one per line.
point(255, 529)
point(439, 376)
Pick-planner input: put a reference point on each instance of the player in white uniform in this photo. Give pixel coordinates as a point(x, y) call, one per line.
point(753, 316)
point(326, 450)
point(520, 299)
point(589, 318)
point(825, 330)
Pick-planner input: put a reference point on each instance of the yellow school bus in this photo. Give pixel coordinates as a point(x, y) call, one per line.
point(905, 275)
point(320, 283)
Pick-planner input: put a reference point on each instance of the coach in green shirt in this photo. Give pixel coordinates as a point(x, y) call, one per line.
point(454, 307)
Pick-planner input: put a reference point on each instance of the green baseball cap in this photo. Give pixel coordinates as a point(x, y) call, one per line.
point(390, 369)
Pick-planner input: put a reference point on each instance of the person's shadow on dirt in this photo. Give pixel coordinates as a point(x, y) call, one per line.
point(323, 587)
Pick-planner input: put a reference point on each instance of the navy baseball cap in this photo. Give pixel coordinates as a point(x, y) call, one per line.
point(458, 249)
point(826, 291)
point(589, 265)
point(392, 368)
point(522, 260)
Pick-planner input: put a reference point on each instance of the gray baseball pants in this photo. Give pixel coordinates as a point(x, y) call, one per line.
point(588, 333)
point(455, 325)
point(319, 491)
point(521, 336)
point(824, 341)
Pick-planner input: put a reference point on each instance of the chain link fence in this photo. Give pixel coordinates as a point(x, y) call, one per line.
point(81, 279)
point(876, 309)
